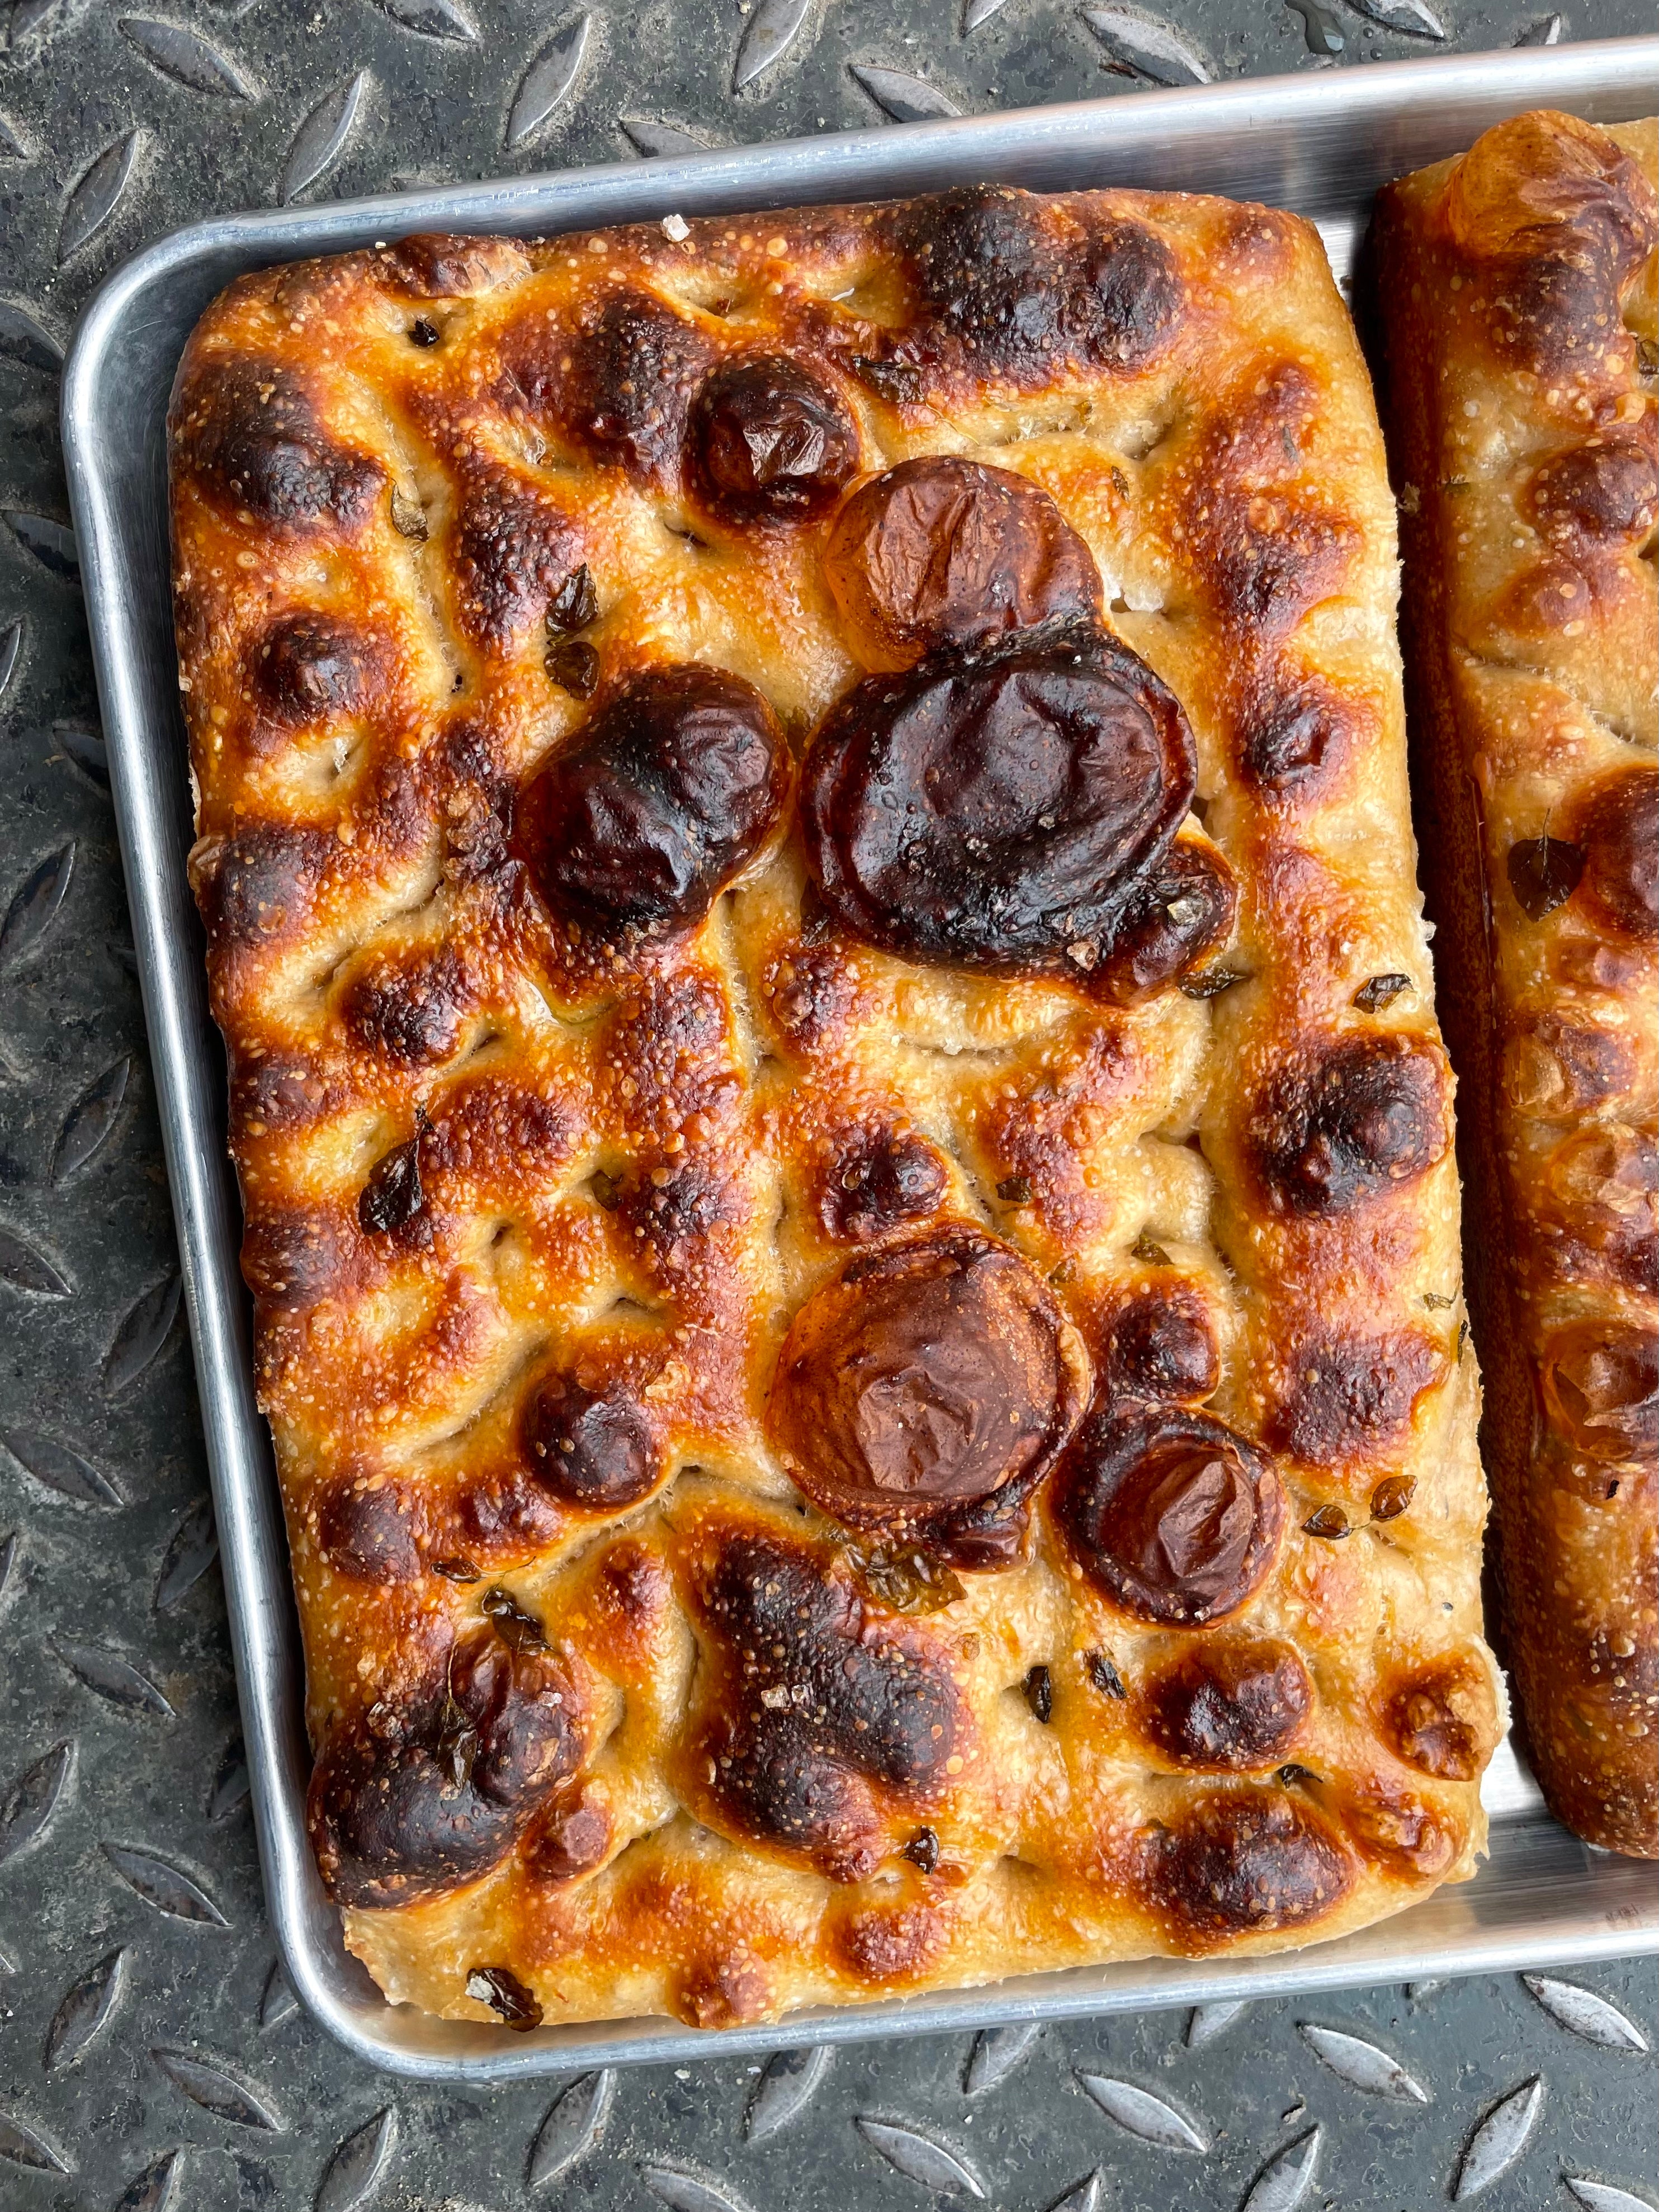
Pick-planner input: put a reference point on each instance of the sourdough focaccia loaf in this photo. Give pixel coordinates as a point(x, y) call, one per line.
point(804, 839)
point(1519, 291)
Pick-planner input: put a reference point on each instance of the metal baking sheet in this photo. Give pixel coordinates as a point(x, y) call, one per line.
point(1318, 144)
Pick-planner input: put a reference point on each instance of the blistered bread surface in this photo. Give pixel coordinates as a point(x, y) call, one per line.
point(1520, 296)
point(803, 837)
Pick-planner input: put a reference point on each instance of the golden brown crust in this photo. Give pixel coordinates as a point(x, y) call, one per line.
point(559, 1094)
point(1519, 287)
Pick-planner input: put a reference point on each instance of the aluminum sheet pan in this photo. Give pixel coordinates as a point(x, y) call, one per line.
point(1321, 144)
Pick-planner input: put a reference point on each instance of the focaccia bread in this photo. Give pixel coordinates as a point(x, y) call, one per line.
point(1519, 284)
point(804, 839)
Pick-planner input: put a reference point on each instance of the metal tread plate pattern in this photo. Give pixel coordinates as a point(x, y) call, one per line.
point(152, 2052)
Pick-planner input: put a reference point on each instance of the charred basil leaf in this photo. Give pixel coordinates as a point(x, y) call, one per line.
point(574, 665)
point(574, 606)
point(1104, 1676)
point(1211, 983)
point(908, 1582)
point(898, 382)
point(1380, 991)
point(409, 517)
point(1015, 1190)
point(458, 1742)
point(393, 1196)
point(518, 1630)
point(1544, 873)
point(1391, 1497)
point(500, 1987)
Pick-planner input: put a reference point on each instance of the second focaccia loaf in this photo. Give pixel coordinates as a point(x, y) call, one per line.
point(1518, 283)
point(804, 847)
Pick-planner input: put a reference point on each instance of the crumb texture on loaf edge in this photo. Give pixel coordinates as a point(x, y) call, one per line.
point(1518, 294)
point(606, 1707)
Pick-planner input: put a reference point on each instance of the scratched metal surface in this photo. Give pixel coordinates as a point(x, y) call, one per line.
point(148, 2054)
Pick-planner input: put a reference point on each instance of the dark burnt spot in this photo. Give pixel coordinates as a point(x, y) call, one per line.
point(879, 1182)
point(308, 667)
point(506, 1513)
point(1599, 1191)
point(1271, 559)
point(1232, 1706)
point(294, 1258)
point(1245, 1863)
point(431, 265)
point(1550, 312)
point(816, 1717)
point(1160, 1343)
point(813, 997)
point(1601, 1382)
point(408, 1803)
point(1131, 302)
point(595, 1449)
point(1605, 491)
point(1020, 294)
point(985, 260)
point(496, 1127)
point(943, 550)
point(366, 1529)
point(1179, 918)
point(1174, 1517)
point(663, 796)
point(1617, 823)
point(627, 388)
point(1298, 741)
point(673, 1048)
point(409, 1007)
point(768, 441)
point(728, 1991)
point(1440, 1721)
point(1621, 1666)
point(1559, 1068)
point(259, 885)
point(897, 1944)
point(1348, 1397)
point(1342, 1121)
point(1558, 217)
point(683, 1211)
point(1393, 1827)
point(251, 433)
point(570, 1842)
point(928, 1377)
point(998, 811)
point(514, 549)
